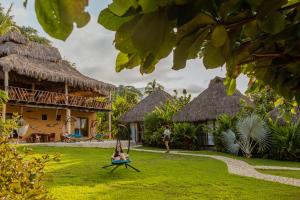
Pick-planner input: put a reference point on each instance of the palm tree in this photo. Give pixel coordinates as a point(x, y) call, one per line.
point(153, 86)
point(6, 22)
point(251, 133)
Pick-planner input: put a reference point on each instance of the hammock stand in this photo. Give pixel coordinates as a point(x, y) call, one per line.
point(119, 163)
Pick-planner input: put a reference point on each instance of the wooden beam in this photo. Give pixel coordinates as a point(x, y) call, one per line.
point(6, 77)
point(56, 107)
point(109, 118)
point(68, 111)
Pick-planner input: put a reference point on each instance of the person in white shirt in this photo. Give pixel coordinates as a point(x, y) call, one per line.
point(167, 138)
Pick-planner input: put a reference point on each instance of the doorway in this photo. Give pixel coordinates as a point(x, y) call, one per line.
point(81, 125)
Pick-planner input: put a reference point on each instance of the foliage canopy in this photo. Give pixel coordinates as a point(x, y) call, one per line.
point(255, 37)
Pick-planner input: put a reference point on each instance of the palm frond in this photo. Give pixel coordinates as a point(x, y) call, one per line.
point(230, 142)
point(252, 131)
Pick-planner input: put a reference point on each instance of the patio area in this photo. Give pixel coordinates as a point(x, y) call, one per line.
point(98, 144)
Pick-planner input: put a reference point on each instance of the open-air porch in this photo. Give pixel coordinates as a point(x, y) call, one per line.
point(49, 95)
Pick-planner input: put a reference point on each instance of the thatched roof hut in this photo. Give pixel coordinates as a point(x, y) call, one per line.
point(43, 63)
point(210, 104)
point(147, 105)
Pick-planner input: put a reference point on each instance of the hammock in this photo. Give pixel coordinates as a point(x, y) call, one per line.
point(118, 163)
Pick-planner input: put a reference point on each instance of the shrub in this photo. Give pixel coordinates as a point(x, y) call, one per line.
point(184, 136)
point(21, 178)
point(224, 122)
point(285, 141)
point(153, 129)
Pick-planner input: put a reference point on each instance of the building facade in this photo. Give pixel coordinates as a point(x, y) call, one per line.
point(47, 92)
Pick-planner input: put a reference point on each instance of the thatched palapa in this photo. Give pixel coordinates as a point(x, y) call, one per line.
point(147, 105)
point(211, 103)
point(44, 63)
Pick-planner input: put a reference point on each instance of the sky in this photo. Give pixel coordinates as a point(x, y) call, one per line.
point(91, 49)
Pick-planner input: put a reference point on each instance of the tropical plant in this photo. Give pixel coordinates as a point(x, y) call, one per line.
point(22, 176)
point(184, 136)
point(123, 99)
point(153, 86)
point(285, 140)
point(32, 35)
point(184, 99)
point(132, 94)
point(230, 143)
point(6, 21)
point(223, 123)
point(251, 133)
point(153, 129)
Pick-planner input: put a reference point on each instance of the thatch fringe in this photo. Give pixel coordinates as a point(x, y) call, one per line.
point(50, 71)
point(15, 37)
point(31, 50)
point(43, 62)
point(147, 105)
point(211, 103)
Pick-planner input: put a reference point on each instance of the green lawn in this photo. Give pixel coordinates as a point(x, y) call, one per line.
point(79, 176)
point(252, 161)
point(286, 173)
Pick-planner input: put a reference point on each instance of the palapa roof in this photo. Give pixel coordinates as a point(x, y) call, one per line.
point(210, 104)
point(137, 113)
point(43, 62)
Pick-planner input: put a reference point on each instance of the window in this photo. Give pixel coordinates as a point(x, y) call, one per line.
point(58, 117)
point(44, 117)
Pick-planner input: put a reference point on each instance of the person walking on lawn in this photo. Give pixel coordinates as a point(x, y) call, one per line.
point(167, 138)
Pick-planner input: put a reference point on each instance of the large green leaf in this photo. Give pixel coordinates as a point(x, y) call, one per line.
point(121, 61)
point(188, 48)
point(148, 65)
point(58, 16)
point(250, 29)
point(128, 61)
point(273, 23)
point(111, 21)
point(123, 37)
point(267, 7)
point(212, 57)
point(219, 36)
point(196, 48)
point(151, 6)
point(150, 31)
point(197, 22)
point(120, 7)
point(181, 52)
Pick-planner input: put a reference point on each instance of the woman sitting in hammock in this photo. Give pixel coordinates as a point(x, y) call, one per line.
point(118, 154)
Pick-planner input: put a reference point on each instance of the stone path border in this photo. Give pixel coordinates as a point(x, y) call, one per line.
point(277, 168)
point(241, 168)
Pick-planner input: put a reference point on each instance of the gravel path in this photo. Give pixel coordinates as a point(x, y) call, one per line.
point(242, 168)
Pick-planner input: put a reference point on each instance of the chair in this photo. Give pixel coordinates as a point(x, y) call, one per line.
point(77, 134)
point(118, 163)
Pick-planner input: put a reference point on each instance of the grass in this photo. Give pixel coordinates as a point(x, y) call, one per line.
point(252, 161)
point(79, 176)
point(286, 173)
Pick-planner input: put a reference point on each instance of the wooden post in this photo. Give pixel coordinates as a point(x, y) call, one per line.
point(33, 86)
point(6, 77)
point(109, 117)
point(68, 111)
